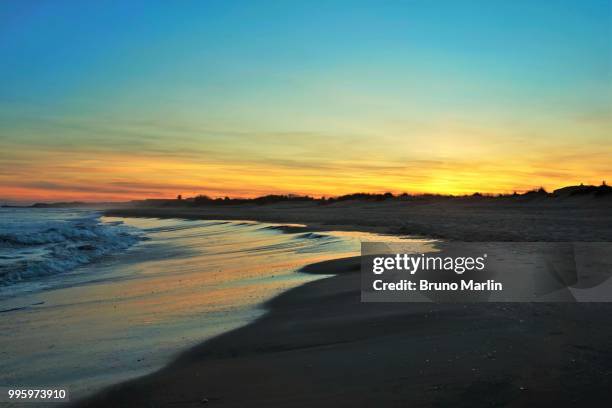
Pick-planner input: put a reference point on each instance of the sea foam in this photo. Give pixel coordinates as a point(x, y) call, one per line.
point(36, 243)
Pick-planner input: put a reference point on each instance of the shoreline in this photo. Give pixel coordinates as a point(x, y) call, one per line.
point(318, 345)
point(291, 226)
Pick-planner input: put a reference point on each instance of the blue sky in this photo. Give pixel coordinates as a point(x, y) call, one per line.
point(366, 78)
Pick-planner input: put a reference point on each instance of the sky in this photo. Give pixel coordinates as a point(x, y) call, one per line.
point(115, 100)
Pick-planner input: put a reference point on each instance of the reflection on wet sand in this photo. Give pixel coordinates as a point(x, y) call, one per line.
point(129, 314)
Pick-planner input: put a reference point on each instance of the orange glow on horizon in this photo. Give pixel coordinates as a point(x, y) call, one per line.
point(450, 160)
point(138, 179)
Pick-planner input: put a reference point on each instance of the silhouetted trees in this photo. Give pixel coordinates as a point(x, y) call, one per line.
point(267, 199)
point(540, 192)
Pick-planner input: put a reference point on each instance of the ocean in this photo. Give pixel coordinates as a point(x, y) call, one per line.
point(88, 300)
point(40, 243)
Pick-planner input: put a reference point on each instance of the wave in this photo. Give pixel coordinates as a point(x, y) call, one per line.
point(314, 235)
point(34, 245)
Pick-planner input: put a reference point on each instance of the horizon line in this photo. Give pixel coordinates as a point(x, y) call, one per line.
point(396, 194)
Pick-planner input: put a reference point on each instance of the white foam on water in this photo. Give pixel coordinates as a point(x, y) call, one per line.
point(37, 243)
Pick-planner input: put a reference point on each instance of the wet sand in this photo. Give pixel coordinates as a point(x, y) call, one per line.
point(320, 346)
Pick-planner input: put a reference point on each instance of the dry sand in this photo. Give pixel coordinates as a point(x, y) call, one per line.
point(465, 219)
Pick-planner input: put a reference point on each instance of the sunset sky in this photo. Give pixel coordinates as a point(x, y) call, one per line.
point(115, 100)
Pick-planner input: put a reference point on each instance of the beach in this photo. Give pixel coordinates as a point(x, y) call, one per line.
point(305, 204)
point(88, 301)
point(318, 345)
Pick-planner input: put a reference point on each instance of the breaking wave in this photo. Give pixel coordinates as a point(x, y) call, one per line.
point(35, 243)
